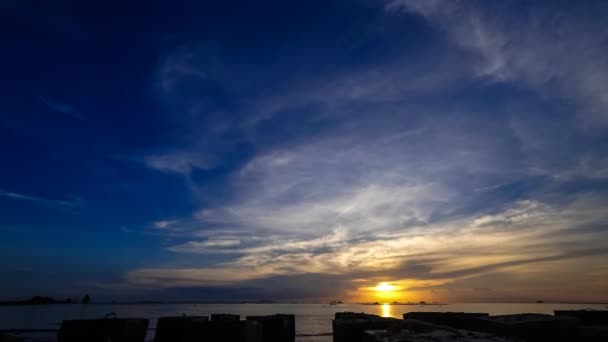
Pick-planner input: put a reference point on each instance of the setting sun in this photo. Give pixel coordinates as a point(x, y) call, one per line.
point(385, 287)
point(385, 292)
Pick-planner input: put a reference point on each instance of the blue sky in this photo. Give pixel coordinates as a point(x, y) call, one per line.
point(304, 150)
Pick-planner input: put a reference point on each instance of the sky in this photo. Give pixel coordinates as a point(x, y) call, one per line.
point(312, 150)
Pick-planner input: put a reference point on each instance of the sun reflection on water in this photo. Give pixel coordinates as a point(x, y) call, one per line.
point(386, 310)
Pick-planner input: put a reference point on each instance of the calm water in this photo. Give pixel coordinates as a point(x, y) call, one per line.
point(311, 319)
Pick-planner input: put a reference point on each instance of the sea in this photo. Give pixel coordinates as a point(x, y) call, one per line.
point(313, 321)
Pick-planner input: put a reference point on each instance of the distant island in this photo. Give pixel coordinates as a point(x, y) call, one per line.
point(44, 300)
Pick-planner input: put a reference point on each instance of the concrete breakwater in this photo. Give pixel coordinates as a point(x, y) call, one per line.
point(479, 327)
point(565, 325)
point(217, 327)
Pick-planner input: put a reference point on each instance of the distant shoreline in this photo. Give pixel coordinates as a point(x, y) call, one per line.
point(27, 303)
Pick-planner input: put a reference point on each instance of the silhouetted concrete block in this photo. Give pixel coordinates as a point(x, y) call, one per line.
point(460, 320)
point(103, 330)
point(593, 333)
point(228, 328)
point(594, 323)
point(591, 317)
point(11, 338)
point(289, 322)
point(436, 335)
point(531, 327)
point(177, 328)
point(224, 317)
point(226, 331)
point(349, 326)
point(352, 315)
point(275, 328)
point(259, 321)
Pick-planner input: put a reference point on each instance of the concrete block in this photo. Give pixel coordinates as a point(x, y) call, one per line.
point(352, 315)
point(530, 327)
point(226, 331)
point(436, 335)
point(177, 328)
point(593, 333)
point(289, 323)
point(275, 328)
point(10, 338)
point(104, 330)
point(349, 326)
point(591, 317)
point(593, 323)
point(460, 320)
point(224, 317)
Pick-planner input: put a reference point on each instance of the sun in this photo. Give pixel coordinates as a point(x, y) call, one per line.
point(383, 292)
point(384, 287)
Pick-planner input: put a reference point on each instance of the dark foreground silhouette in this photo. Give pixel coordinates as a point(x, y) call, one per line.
point(576, 325)
point(565, 325)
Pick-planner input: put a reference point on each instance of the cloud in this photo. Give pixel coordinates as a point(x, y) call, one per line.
point(219, 112)
point(164, 224)
point(208, 246)
point(399, 171)
point(438, 145)
point(41, 200)
point(549, 48)
point(419, 258)
point(180, 162)
point(61, 108)
point(186, 277)
point(526, 212)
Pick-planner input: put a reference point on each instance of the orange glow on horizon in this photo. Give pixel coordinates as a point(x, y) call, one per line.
point(385, 292)
point(397, 290)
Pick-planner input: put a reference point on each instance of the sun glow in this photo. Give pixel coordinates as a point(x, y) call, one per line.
point(382, 292)
point(384, 287)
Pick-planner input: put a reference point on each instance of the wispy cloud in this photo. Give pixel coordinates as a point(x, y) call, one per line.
point(61, 108)
point(543, 47)
point(179, 162)
point(41, 200)
point(316, 208)
point(454, 148)
point(164, 224)
point(420, 259)
point(400, 177)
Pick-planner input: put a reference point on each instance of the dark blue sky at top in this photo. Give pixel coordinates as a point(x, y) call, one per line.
point(146, 135)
